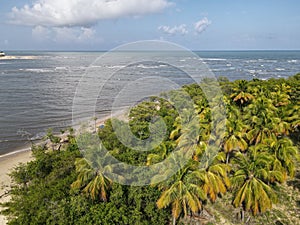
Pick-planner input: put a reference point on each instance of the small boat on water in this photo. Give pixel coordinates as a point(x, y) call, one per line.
point(2, 54)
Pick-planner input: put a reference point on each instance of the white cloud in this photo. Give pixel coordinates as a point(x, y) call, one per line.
point(181, 29)
point(201, 25)
point(86, 34)
point(40, 33)
point(76, 35)
point(64, 34)
point(69, 13)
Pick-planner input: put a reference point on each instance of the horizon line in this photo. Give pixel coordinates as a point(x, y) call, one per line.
point(193, 50)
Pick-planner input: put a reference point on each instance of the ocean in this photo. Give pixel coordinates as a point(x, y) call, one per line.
point(37, 88)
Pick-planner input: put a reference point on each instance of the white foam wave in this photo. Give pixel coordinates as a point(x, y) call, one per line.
point(61, 68)
point(116, 67)
point(148, 67)
point(293, 61)
point(38, 70)
point(213, 59)
point(268, 60)
point(251, 71)
point(261, 61)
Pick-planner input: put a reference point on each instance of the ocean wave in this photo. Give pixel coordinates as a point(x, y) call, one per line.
point(38, 136)
point(38, 70)
point(65, 57)
point(217, 70)
point(213, 59)
point(116, 67)
point(268, 60)
point(62, 68)
point(150, 67)
point(256, 71)
point(293, 61)
point(251, 71)
point(261, 61)
point(251, 61)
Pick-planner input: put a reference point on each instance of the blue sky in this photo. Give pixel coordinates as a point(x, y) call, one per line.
point(105, 24)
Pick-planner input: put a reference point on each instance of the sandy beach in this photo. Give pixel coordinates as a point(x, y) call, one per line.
point(7, 163)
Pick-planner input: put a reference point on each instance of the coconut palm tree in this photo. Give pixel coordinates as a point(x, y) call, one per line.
point(162, 150)
point(213, 177)
point(183, 193)
point(175, 133)
point(262, 120)
point(280, 95)
point(92, 182)
point(191, 133)
point(291, 116)
point(240, 94)
point(295, 121)
point(284, 155)
point(234, 136)
point(252, 192)
point(92, 169)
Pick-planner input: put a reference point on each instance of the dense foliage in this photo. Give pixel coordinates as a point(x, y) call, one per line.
point(256, 146)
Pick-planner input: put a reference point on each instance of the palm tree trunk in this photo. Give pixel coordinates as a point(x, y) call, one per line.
point(174, 220)
point(227, 157)
point(247, 221)
point(242, 215)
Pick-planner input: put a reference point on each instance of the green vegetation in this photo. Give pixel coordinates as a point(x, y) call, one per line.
point(253, 178)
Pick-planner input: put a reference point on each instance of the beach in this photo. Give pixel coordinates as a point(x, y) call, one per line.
point(7, 163)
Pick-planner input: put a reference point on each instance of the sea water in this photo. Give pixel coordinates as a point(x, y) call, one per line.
point(37, 88)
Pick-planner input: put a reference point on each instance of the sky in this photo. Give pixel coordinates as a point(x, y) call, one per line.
point(105, 24)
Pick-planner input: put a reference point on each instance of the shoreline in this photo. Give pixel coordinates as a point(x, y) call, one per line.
point(9, 161)
point(15, 152)
point(100, 121)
